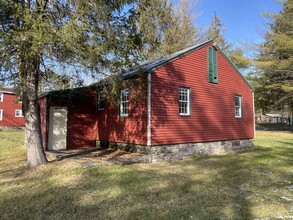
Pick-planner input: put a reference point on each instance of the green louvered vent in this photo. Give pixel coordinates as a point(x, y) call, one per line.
point(213, 66)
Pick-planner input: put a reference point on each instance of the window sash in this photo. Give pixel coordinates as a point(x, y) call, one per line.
point(184, 101)
point(124, 96)
point(1, 114)
point(101, 100)
point(1, 97)
point(238, 106)
point(18, 113)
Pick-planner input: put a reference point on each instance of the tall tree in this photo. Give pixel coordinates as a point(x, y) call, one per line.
point(275, 60)
point(216, 32)
point(166, 28)
point(182, 23)
point(43, 36)
point(36, 35)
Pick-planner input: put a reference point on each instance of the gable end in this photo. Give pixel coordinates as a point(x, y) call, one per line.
point(233, 65)
point(153, 68)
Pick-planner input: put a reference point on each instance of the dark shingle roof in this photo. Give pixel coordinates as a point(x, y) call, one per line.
point(154, 64)
point(150, 66)
point(65, 93)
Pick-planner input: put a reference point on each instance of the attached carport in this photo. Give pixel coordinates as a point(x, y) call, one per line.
point(68, 118)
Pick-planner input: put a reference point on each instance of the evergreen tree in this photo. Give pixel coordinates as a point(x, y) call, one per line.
point(239, 59)
point(216, 32)
point(36, 35)
point(166, 28)
point(274, 62)
point(182, 32)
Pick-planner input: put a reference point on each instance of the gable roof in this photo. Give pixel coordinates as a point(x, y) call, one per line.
point(151, 66)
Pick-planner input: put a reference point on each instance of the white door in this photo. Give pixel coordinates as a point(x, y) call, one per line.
point(57, 128)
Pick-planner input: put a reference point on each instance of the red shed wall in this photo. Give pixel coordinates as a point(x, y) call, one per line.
point(85, 124)
point(131, 129)
point(81, 119)
point(9, 105)
point(213, 116)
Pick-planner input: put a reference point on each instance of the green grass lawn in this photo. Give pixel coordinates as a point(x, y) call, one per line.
point(244, 185)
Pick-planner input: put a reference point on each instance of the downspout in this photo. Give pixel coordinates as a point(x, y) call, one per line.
point(149, 131)
point(45, 123)
point(253, 115)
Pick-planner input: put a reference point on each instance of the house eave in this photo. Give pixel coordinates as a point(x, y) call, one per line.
point(7, 92)
point(150, 68)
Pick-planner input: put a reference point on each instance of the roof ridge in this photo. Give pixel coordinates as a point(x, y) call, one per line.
point(153, 64)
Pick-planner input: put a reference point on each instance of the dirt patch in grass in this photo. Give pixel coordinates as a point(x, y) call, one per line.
point(243, 185)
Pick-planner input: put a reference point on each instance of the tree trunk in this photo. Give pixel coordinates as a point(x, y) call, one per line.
point(35, 151)
point(34, 144)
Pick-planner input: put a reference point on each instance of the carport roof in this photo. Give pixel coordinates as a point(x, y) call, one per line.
point(66, 93)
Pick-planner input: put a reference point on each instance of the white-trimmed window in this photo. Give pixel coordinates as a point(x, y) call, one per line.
point(238, 106)
point(124, 102)
point(184, 101)
point(1, 96)
point(101, 101)
point(1, 114)
point(18, 113)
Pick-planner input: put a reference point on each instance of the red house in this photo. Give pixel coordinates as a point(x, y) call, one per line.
point(194, 101)
point(10, 109)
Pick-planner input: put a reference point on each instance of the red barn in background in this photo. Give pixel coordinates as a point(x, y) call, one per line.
point(10, 109)
point(195, 101)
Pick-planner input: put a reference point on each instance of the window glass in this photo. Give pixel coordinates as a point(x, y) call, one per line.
point(18, 113)
point(124, 95)
point(184, 101)
point(238, 106)
point(101, 101)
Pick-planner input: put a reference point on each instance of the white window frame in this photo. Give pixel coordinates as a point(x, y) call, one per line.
point(238, 108)
point(18, 115)
point(1, 96)
point(99, 100)
point(123, 103)
point(1, 114)
point(187, 101)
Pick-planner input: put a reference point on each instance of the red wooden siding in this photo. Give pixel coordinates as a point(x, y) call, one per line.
point(81, 119)
point(131, 129)
point(9, 105)
point(212, 112)
point(85, 124)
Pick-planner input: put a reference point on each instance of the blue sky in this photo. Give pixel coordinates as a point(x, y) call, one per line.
point(241, 19)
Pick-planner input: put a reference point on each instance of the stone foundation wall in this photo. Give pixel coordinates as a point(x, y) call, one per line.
point(179, 151)
point(4, 128)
